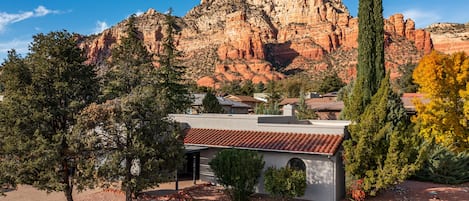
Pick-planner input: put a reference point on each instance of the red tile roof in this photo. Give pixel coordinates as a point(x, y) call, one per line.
point(324, 144)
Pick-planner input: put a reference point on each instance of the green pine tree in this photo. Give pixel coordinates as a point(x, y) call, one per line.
point(210, 103)
point(171, 73)
point(44, 94)
point(130, 64)
point(383, 149)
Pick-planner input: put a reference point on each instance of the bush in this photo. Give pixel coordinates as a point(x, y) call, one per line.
point(285, 182)
point(238, 171)
point(446, 167)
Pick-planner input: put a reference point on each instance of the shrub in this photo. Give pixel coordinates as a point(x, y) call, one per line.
point(285, 182)
point(445, 166)
point(238, 171)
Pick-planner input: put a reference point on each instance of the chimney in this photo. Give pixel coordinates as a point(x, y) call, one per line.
point(289, 110)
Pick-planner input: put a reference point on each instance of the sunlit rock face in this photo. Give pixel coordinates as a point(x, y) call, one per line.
point(260, 40)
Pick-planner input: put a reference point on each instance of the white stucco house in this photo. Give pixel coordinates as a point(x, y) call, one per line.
point(281, 139)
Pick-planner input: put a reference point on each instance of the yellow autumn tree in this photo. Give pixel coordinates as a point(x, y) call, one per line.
point(443, 113)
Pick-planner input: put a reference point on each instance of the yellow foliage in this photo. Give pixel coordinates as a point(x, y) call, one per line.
point(444, 115)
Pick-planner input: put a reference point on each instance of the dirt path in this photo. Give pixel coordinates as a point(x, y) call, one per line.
point(425, 191)
point(407, 191)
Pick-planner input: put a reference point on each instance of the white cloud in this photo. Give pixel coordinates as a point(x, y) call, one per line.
point(42, 11)
point(10, 18)
point(100, 27)
point(21, 47)
point(422, 18)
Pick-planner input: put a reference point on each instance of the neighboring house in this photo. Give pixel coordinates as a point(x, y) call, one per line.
point(248, 100)
point(326, 107)
point(229, 106)
point(261, 96)
point(314, 146)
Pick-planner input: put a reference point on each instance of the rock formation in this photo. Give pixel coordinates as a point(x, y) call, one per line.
point(450, 37)
point(260, 40)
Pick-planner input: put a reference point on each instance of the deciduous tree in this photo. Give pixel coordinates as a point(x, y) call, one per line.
point(443, 115)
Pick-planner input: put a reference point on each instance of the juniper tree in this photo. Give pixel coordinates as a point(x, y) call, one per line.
point(43, 94)
point(383, 149)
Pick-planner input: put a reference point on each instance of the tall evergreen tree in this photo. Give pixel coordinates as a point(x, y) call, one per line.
point(130, 135)
point(43, 97)
point(16, 78)
point(171, 73)
point(383, 149)
point(130, 64)
point(370, 68)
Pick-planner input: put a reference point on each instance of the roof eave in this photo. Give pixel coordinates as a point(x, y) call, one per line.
point(267, 150)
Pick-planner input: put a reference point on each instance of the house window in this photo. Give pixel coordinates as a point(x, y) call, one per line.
point(297, 164)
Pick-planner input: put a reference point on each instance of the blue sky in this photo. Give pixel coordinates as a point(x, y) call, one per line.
point(21, 19)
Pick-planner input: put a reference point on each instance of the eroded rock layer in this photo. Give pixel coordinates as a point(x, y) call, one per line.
point(260, 40)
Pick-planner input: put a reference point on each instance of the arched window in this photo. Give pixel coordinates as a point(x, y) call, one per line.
point(297, 164)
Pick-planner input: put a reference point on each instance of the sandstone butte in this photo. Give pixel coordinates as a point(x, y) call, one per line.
point(260, 40)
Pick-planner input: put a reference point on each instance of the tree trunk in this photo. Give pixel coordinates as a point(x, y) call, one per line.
point(68, 192)
point(128, 177)
point(66, 179)
point(128, 194)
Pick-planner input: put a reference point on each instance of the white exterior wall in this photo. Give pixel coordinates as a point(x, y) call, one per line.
point(321, 173)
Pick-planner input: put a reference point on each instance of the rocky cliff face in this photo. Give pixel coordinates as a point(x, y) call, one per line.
point(450, 37)
point(259, 40)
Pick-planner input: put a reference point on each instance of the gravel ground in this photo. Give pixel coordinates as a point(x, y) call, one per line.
point(407, 191)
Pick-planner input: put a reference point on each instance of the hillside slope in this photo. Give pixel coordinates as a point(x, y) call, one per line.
point(259, 40)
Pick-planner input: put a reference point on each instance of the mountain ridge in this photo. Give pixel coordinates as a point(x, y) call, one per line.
point(260, 40)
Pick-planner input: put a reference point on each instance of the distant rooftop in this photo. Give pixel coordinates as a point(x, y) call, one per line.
point(198, 98)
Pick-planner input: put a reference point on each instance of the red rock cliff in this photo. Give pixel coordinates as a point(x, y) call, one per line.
point(259, 40)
